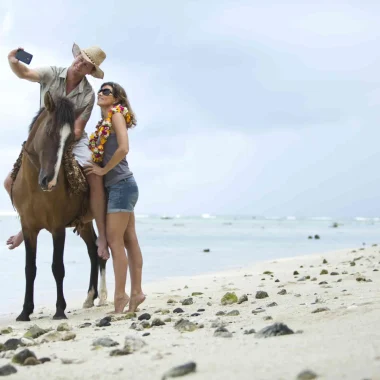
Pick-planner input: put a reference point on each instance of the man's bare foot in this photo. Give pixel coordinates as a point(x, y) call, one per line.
point(14, 241)
point(103, 251)
point(135, 301)
point(120, 303)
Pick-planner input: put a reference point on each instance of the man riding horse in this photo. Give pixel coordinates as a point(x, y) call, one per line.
point(71, 82)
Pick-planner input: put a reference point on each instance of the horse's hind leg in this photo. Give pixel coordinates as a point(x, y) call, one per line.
point(103, 285)
point(58, 269)
point(30, 273)
point(88, 235)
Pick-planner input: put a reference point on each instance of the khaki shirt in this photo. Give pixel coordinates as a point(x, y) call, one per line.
point(53, 79)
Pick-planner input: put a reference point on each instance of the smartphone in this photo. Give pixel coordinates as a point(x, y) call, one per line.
point(23, 56)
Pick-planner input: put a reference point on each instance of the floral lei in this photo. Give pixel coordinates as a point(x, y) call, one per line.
point(103, 130)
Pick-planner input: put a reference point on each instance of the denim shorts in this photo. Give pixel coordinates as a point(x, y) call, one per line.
point(122, 196)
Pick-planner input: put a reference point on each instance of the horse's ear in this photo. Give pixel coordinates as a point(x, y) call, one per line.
point(49, 102)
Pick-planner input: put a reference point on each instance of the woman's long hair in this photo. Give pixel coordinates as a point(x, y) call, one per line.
point(120, 94)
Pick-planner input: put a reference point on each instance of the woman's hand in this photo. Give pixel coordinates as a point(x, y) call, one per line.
point(92, 168)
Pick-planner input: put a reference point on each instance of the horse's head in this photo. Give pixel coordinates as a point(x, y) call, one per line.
point(55, 130)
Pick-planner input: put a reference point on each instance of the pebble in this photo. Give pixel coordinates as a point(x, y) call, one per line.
point(145, 324)
point(260, 294)
point(119, 352)
point(272, 304)
point(12, 344)
point(323, 283)
point(222, 332)
point(220, 313)
point(229, 298)
point(7, 330)
point(146, 334)
point(268, 318)
point(27, 342)
point(320, 309)
point(129, 315)
point(201, 310)
point(217, 323)
point(71, 361)
point(250, 331)
point(196, 294)
point(135, 326)
point(63, 327)
point(307, 375)
point(243, 298)
point(7, 370)
point(34, 332)
point(133, 343)
point(184, 325)
point(69, 335)
point(282, 292)
point(105, 342)
point(20, 357)
point(144, 317)
point(31, 361)
point(104, 322)
point(233, 313)
point(195, 315)
point(258, 310)
point(181, 370)
point(170, 301)
point(53, 336)
point(334, 274)
point(276, 329)
point(86, 324)
point(157, 322)
point(187, 301)
point(178, 310)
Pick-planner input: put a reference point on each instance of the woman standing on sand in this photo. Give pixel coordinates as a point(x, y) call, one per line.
point(109, 145)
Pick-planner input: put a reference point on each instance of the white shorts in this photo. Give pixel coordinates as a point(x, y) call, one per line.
point(81, 152)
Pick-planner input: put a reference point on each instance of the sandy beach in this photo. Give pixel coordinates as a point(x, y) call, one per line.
point(332, 324)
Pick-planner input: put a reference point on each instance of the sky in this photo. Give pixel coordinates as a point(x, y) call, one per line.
point(244, 107)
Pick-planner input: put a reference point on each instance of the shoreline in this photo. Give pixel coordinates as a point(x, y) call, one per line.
point(337, 342)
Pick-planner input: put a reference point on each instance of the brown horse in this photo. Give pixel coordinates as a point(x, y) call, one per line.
point(41, 197)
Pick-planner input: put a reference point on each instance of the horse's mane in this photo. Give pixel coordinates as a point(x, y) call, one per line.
point(64, 113)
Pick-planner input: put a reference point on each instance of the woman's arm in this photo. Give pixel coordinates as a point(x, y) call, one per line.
point(120, 127)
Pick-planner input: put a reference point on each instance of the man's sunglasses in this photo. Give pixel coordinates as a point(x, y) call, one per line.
point(105, 91)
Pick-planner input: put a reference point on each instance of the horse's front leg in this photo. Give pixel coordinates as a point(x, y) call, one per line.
point(88, 235)
point(58, 269)
point(30, 238)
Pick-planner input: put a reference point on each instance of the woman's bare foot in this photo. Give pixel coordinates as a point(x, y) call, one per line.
point(120, 303)
point(14, 241)
point(135, 301)
point(103, 251)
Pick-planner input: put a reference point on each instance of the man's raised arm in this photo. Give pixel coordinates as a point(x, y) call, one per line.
point(21, 70)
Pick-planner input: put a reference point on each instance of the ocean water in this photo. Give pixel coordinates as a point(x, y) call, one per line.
point(175, 247)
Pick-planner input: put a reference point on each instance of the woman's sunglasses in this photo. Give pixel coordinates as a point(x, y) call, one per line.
point(105, 91)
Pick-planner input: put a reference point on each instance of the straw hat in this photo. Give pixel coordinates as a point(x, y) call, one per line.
point(94, 55)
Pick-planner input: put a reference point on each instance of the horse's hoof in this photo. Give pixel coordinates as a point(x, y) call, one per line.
point(23, 317)
point(88, 303)
point(59, 315)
